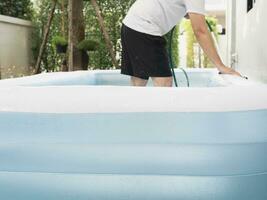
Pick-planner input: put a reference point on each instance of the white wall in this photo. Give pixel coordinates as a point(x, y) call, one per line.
point(15, 46)
point(251, 41)
point(222, 42)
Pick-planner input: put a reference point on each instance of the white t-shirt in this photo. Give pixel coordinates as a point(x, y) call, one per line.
point(158, 17)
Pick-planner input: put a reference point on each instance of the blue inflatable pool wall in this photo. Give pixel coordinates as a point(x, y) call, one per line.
point(150, 155)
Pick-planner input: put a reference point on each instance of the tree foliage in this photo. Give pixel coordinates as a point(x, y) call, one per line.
point(190, 41)
point(21, 9)
point(175, 45)
point(113, 12)
point(51, 60)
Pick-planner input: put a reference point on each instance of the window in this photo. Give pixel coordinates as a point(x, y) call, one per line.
point(249, 5)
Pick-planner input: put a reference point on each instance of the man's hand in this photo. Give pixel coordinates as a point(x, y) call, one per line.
point(228, 70)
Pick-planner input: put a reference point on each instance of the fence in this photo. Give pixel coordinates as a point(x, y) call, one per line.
point(15, 47)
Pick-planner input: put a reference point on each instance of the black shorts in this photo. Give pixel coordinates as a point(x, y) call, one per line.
point(144, 55)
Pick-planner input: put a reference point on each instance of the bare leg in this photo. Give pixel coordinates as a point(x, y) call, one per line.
point(162, 81)
point(138, 82)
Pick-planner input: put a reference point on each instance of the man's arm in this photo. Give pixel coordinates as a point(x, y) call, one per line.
point(206, 42)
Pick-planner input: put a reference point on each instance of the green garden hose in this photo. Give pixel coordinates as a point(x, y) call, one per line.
point(172, 65)
point(209, 26)
point(171, 57)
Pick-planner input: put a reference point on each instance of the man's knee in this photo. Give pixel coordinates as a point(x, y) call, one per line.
point(138, 82)
point(162, 81)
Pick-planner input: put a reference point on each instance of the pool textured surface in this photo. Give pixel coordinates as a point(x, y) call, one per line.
point(211, 147)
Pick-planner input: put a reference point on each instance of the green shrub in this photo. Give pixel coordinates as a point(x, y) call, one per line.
point(58, 40)
point(88, 45)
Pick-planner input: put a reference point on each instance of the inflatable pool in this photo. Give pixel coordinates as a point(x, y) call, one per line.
point(87, 135)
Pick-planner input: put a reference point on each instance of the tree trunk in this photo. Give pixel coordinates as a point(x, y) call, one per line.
point(76, 35)
point(45, 37)
point(63, 18)
point(105, 33)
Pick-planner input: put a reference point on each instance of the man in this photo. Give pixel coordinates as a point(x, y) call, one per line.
point(144, 54)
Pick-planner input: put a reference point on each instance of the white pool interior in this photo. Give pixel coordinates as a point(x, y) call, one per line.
point(197, 78)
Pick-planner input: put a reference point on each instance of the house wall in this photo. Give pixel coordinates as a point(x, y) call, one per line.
point(15, 47)
point(250, 39)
